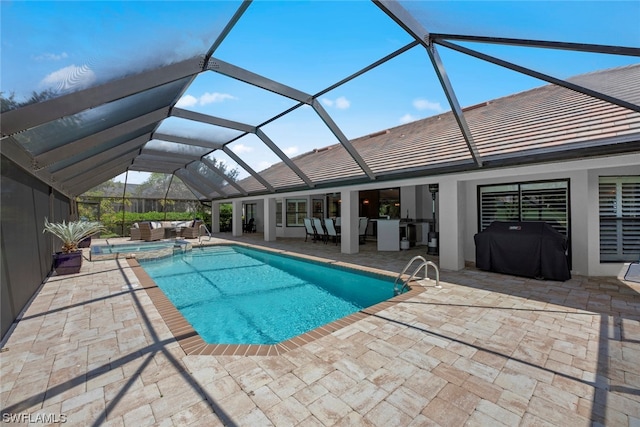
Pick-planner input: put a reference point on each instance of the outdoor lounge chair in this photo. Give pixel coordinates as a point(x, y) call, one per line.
point(148, 233)
point(135, 232)
point(362, 228)
point(192, 231)
point(321, 233)
point(331, 230)
point(310, 230)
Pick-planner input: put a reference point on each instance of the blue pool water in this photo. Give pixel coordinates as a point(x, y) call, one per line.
point(237, 295)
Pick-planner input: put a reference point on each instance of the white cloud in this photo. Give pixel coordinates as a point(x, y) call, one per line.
point(290, 151)
point(207, 98)
point(423, 104)
point(187, 101)
point(340, 103)
point(407, 118)
point(70, 78)
point(241, 148)
point(51, 56)
point(210, 98)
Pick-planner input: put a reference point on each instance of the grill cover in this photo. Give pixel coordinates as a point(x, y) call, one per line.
point(529, 249)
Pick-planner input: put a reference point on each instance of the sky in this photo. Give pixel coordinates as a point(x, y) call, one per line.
point(70, 45)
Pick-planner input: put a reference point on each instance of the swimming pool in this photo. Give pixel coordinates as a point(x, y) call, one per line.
point(140, 250)
point(236, 295)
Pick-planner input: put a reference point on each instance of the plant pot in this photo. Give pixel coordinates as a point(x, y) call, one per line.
point(85, 243)
point(67, 263)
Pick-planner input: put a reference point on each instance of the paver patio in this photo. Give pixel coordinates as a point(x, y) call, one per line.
point(486, 349)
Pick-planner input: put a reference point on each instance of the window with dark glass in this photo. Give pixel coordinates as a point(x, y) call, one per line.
point(546, 201)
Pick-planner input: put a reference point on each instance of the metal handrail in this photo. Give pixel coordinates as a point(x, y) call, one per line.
point(206, 229)
point(424, 263)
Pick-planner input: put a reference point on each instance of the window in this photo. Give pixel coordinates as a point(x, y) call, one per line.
point(296, 212)
point(333, 205)
point(533, 201)
point(318, 208)
point(619, 218)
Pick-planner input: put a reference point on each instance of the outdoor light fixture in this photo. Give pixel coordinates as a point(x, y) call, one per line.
point(432, 245)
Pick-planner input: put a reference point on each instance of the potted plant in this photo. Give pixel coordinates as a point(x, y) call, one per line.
point(71, 233)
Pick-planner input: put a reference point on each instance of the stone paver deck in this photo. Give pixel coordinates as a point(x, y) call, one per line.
point(486, 349)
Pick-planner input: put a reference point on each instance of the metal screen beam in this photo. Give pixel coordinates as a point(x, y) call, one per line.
point(205, 118)
point(249, 169)
point(105, 171)
point(221, 174)
point(541, 76)
point(204, 182)
point(577, 47)
point(153, 168)
point(36, 114)
point(257, 80)
point(260, 134)
point(80, 145)
point(187, 141)
point(170, 157)
point(333, 127)
point(189, 182)
point(154, 165)
point(227, 29)
point(99, 158)
point(404, 19)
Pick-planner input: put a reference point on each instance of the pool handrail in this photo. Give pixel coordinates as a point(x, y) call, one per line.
point(206, 229)
point(397, 290)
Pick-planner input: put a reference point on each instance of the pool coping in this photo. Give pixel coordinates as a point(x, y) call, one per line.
point(193, 344)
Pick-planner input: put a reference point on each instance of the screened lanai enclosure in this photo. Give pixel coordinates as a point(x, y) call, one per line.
point(235, 99)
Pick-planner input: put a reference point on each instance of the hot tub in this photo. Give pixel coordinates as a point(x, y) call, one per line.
point(139, 250)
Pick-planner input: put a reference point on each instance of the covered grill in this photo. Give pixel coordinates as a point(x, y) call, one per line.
point(529, 249)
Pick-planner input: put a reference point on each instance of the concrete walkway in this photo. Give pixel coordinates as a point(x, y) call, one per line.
point(486, 349)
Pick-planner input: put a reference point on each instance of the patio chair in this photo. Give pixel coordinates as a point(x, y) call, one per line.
point(320, 231)
point(310, 230)
point(149, 233)
point(362, 229)
point(250, 227)
point(331, 230)
point(135, 232)
point(192, 231)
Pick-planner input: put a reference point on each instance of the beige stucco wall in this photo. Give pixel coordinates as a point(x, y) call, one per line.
point(456, 238)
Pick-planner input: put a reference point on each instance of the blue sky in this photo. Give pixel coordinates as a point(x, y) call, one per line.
point(306, 45)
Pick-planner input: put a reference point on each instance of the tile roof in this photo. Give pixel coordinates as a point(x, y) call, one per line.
point(547, 119)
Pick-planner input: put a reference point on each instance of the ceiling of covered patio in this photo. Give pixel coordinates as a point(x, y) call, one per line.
point(241, 98)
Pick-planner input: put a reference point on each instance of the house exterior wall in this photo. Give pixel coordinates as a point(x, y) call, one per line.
point(584, 203)
point(457, 206)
